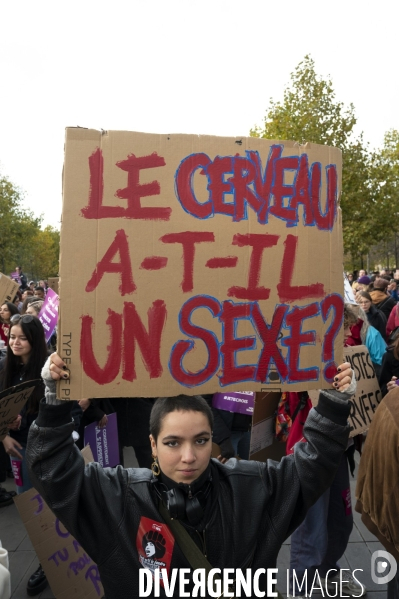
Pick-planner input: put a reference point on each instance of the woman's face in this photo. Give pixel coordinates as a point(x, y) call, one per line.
point(365, 304)
point(150, 549)
point(5, 313)
point(184, 445)
point(30, 310)
point(19, 344)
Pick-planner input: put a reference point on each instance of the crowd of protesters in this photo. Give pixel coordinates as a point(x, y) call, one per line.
point(320, 532)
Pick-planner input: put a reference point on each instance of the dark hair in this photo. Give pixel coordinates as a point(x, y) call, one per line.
point(181, 403)
point(365, 294)
point(12, 308)
point(34, 333)
point(18, 295)
point(38, 288)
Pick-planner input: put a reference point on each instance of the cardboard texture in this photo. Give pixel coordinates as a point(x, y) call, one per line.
point(69, 570)
point(368, 393)
point(197, 264)
point(53, 283)
point(12, 401)
point(8, 289)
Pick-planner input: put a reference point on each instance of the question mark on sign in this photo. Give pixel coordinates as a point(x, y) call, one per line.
point(336, 303)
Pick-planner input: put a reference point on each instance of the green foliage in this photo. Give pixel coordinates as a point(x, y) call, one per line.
point(309, 112)
point(22, 242)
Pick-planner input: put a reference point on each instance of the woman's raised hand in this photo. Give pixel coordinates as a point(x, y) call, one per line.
point(343, 378)
point(58, 369)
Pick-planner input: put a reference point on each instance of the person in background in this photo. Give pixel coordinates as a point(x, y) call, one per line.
point(389, 368)
point(363, 333)
point(18, 300)
point(26, 354)
point(362, 284)
point(381, 298)
point(375, 317)
point(32, 286)
point(27, 293)
point(7, 310)
point(322, 538)
point(378, 480)
point(43, 284)
point(28, 300)
point(361, 273)
point(40, 292)
point(393, 290)
point(393, 323)
point(34, 307)
point(22, 278)
point(231, 431)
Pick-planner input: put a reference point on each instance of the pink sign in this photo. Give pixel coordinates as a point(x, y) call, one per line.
point(16, 466)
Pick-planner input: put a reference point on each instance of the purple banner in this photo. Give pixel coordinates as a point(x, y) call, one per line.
point(241, 402)
point(104, 442)
point(48, 315)
point(15, 277)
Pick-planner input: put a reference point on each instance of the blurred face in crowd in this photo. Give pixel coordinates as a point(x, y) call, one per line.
point(183, 446)
point(39, 293)
point(31, 310)
point(17, 269)
point(347, 333)
point(32, 286)
point(392, 286)
point(365, 304)
point(361, 273)
point(19, 344)
point(5, 313)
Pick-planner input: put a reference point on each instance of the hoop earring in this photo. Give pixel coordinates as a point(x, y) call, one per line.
point(155, 467)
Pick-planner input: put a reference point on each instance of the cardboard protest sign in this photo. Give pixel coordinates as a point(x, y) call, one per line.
point(197, 264)
point(8, 289)
point(53, 283)
point(12, 401)
point(242, 402)
point(48, 314)
point(103, 442)
point(368, 394)
point(69, 570)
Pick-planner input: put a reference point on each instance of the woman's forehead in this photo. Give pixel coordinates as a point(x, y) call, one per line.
point(185, 423)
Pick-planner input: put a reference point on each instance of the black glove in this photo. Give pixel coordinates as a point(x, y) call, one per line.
point(227, 449)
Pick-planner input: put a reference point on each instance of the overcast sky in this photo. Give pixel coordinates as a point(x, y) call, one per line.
point(177, 67)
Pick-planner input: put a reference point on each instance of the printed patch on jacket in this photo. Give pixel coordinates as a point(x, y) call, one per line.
point(154, 544)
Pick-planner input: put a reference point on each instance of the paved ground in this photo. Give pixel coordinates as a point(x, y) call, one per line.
point(23, 560)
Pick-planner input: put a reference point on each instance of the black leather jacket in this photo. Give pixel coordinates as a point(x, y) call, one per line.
point(258, 505)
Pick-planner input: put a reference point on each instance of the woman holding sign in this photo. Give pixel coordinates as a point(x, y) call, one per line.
point(190, 511)
point(26, 354)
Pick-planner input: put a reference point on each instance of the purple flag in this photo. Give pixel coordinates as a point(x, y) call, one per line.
point(242, 402)
point(104, 442)
point(48, 315)
point(15, 277)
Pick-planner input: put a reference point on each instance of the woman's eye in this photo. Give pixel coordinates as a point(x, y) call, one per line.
point(172, 444)
point(202, 441)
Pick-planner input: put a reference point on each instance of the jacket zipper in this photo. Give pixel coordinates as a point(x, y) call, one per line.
point(203, 541)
